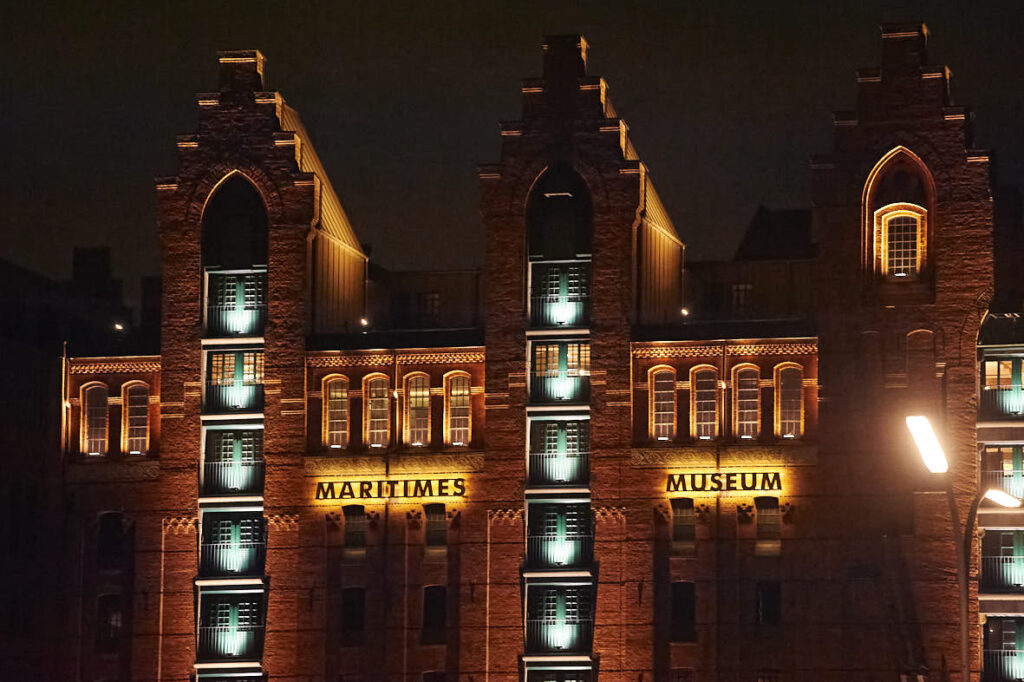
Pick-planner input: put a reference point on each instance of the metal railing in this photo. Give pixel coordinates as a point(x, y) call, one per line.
point(557, 551)
point(559, 387)
point(1002, 573)
point(233, 398)
point(231, 320)
point(228, 477)
point(1008, 481)
point(568, 634)
point(1003, 665)
point(1001, 402)
point(559, 468)
point(230, 642)
point(559, 310)
point(232, 558)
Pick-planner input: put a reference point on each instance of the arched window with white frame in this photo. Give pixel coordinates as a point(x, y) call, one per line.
point(704, 403)
point(335, 412)
point(135, 418)
point(902, 230)
point(661, 386)
point(376, 411)
point(898, 196)
point(458, 415)
point(789, 401)
point(417, 410)
point(94, 420)
point(746, 384)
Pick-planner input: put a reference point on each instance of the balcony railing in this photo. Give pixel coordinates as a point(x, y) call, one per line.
point(559, 387)
point(544, 635)
point(233, 477)
point(238, 397)
point(1002, 573)
point(230, 320)
point(559, 468)
point(559, 310)
point(1009, 481)
point(1002, 403)
point(1003, 665)
point(232, 558)
point(230, 642)
point(560, 551)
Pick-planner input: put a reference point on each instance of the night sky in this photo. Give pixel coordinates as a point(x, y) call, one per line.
point(726, 100)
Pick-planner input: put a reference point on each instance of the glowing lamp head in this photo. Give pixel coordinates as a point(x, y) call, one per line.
point(685, 312)
point(364, 322)
point(928, 444)
point(1001, 497)
point(118, 326)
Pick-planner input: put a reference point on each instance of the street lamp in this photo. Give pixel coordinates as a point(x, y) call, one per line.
point(935, 460)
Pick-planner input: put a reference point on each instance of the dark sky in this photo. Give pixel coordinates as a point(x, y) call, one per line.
point(725, 99)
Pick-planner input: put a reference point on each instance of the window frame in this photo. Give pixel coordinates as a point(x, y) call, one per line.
point(126, 437)
point(84, 419)
point(449, 379)
point(882, 218)
point(694, 424)
point(407, 436)
point(326, 434)
point(653, 402)
point(777, 385)
point(736, 423)
point(367, 410)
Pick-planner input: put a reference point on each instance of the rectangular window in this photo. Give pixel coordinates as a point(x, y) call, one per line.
point(684, 527)
point(355, 530)
point(705, 404)
point(377, 412)
point(684, 612)
point(136, 419)
point(769, 525)
point(435, 614)
point(740, 298)
point(663, 420)
point(436, 526)
point(683, 675)
point(769, 602)
point(228, 446)
point(336, 413)
point(902, 245)
point(999, 373)
point(748, 402)
point(112, 541)
point(110, 625)
point(418, 401)
point(568, 359)
point(353, 614)
point(235, 368)
point(458, 410)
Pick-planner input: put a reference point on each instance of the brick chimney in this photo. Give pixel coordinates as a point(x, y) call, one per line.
point(241, 70)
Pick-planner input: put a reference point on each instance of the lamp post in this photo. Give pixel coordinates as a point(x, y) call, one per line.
point(935, 460)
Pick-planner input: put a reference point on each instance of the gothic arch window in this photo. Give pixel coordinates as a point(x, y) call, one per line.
point(559, 214)
point(234, 225)
point(898, 198)
point(335, 412)
point(661, 387)
point(135, 418)
point(94, 419)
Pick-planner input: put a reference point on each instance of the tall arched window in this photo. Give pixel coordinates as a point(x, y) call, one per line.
point(94, 420)
point(661, 385)
point(135, 419)
point(747, 402)
point(458, 416)
point(898, 196)
point(234, 225)
point(376, 411)
point(704, 403)
point(789, 401)
point(335, 412)
point(417, 410)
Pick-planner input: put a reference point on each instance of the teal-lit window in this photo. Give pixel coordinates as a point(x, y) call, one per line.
point(1004, 649)
point(1003, 468)
point(559, 618)
point(560, 295)
point(435, 614)
point(233, 543)
point(1001, 393)
point(236, 304)
point(559, 452)
point(684, 527)
point(234, 380)
point(683, 621)
point(561, 371)
point(231, 627)
point(458, 410)
point(559, 535)
point(1002, 561)
point(233, 462)
point(336, 413)
point(94, 420)
point(747, 392)
point(135, 423)
point(662, 386)
point(417, 401)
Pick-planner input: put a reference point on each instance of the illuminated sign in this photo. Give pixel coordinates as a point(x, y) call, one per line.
point(383, 489)
point(724, 482)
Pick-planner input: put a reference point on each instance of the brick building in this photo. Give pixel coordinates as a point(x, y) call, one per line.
point(291, 490)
